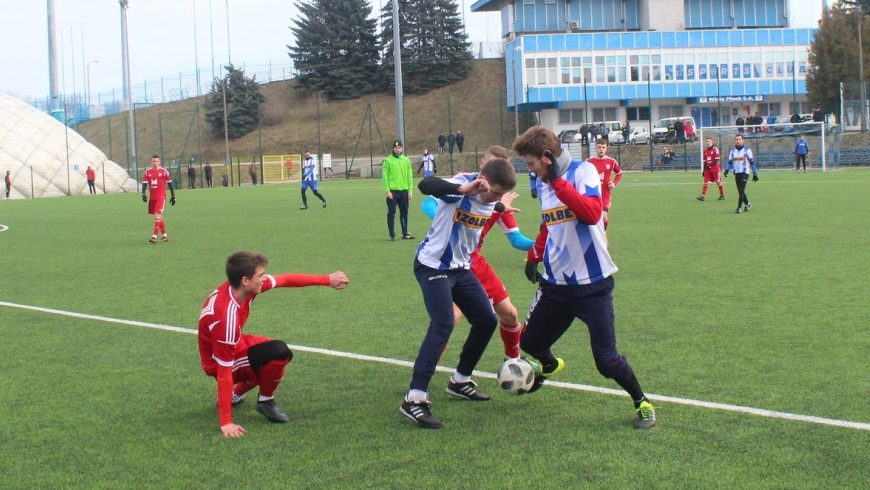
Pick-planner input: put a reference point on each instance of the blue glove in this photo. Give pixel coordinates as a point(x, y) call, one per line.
point(534, 193)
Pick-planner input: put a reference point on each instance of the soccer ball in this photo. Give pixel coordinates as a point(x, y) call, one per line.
point(516, 376)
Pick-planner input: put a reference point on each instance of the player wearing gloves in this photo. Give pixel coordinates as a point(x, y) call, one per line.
point(239, 361)
point(711, 170)
point(533, 184)
point(157, 179)
point(578, 272)
point(740, 160)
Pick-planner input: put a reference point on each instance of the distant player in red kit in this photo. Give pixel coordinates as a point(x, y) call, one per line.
point(157, 179)
point(606, 167)
point(711, 170)
point(238, 361)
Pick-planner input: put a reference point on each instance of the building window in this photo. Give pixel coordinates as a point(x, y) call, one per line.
point(637, 113)
point(670, 111)
point(571, 116)
point(606, 114)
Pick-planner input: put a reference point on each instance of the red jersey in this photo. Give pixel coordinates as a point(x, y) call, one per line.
point(90, 174)
point(505, 219)
point(606, 166)
point(711, 159)
point(157, 180)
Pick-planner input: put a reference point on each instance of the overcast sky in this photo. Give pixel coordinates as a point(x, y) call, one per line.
point(161, 34)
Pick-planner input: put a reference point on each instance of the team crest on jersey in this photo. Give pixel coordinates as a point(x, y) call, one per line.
point(557, 216)
point(470, 220)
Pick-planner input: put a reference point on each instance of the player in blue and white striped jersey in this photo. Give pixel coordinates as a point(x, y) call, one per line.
point(442, 267)
point(740, 160)
point(578, 271)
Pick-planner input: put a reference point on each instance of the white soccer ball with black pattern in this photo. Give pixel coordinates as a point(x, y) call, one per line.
point(516, 376)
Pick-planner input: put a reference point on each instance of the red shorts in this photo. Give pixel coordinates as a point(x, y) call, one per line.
point(489, 280)
point(156, 206)
point(712, 176)
point(241, 367)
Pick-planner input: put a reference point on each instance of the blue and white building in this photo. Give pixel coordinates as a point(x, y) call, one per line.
point(640, 60)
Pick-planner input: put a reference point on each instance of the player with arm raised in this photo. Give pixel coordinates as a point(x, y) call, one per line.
point(578, 271)
point(509, 325)
point(239, 361)
point(606, 167)
point(157, 179)
point(711, 170)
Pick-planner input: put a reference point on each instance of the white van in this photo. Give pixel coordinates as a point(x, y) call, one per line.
point(663, 131)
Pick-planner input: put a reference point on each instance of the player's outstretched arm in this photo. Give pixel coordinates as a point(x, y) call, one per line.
point(338, 280)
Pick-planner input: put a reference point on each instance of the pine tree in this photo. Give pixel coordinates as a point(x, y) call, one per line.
point(336, 50)
point(435, 50)
point(833, 57)
point(243, 99)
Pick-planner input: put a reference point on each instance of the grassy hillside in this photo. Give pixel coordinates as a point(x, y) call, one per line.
point(475, 106)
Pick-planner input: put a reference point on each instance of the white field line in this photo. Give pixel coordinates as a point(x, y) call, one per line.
point(3, 228)
point(397, 362)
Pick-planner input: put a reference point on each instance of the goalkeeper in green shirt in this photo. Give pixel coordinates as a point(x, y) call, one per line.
point(398, 178)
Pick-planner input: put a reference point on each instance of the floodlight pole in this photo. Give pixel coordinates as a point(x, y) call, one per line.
point(860, 18)
point(128, 93)
point(397, 61)
point(88, 76)
point(196, 52)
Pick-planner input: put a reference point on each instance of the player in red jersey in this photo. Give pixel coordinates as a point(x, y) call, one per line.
point(606, 167)
point(711, 170)
point(157, 179)
point(510, 327)
point(238, 361)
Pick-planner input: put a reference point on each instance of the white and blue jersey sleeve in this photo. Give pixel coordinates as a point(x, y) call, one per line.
point(575, 253)
point(455, 229)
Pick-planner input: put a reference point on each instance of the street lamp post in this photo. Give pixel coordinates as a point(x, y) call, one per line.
point(88, 76)
point(128, 92)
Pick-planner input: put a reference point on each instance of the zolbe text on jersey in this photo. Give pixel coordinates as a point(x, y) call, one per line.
point(470, 220)
point(557, 216)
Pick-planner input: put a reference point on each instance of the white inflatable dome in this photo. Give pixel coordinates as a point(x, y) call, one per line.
point(33, 148)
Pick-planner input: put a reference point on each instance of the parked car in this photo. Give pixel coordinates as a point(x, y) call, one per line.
point(639, 136)
point(568, 136)
point(663, 131)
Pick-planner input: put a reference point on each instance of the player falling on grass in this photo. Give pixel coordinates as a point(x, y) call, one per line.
point(239, 361)
point(465, 205)
point(578, 271)
point(509, 325)
point(741, 161)
point(711, 170)
point(156, 179)
point(606, 167)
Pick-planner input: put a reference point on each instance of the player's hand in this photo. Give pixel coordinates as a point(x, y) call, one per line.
point(755, 177)
point(389, 195)
point(726, 173)
point(338, 280)
point(552, 169)
point(474, 187)
point(534, 193)
point(532, 273)
point(144, 198)
point(233, 430)
point(172, 200)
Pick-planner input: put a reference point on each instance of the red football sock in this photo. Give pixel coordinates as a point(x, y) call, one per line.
point(510, 337)
point(721, 190)
point(162, 226)
point(156, 227)
point(241, 388)
point(704, 190)
point(270, 375)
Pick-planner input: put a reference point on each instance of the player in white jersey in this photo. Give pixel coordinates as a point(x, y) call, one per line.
point(741, 161)
point(442, 268)
point(427, 163)
point(578, 271)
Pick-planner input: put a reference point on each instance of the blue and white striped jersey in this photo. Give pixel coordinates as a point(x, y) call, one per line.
point(455, 229)
point(575, 253)
point(309, 169)
point(740, 160)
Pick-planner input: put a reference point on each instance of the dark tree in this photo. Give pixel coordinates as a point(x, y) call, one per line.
point(336, 50)
point(243, 100)
point(435, 50)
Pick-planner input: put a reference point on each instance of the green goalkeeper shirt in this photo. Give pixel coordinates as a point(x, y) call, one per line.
point(397, 174)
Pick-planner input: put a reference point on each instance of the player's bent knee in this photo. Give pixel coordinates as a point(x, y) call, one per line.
point(274, 350)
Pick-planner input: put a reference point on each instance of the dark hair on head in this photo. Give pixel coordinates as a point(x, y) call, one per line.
point(499, 171)
point(243, 264)
point(498, 152)
point(535, 141)
point(602, 141)
point(155, 156)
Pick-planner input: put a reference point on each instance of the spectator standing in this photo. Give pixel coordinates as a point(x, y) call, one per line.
point(191, 177)
point(253, 171)
point(801, 152)
point(8, 182)
point(460, 140)
point(740, 122)
point(451, 140)
point(309, 179)
point(398, 179)
point(92, 177)
point(626, 131)
point(442, 140)
point(771, 119)
point(680, 131)
point(427, 163)
point(208, 181)
point(818, 116)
